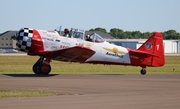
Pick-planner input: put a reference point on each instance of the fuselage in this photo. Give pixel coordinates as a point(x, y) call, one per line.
point(105, 53)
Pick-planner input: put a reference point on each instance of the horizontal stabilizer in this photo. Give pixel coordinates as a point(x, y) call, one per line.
point(142, 53)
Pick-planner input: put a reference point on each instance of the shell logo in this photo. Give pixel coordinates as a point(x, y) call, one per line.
point(115, 50)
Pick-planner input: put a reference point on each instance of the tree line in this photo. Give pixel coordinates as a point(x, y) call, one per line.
point(120, 34)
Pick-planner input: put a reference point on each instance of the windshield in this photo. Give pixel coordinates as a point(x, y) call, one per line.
point(96, 38)
point(77, 33)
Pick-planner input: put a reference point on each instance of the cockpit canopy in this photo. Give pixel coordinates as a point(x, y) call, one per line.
point(96, 38)
point(80, 34)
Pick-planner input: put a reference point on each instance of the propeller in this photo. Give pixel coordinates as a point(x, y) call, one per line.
point(15, 36)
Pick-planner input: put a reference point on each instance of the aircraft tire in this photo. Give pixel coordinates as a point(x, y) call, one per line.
point(36, 69)
point(45, 69)
point(143, 71)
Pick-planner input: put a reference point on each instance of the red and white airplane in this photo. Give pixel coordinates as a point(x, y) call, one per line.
point(51, 45)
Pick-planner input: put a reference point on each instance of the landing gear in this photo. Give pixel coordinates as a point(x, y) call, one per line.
point(42, 68)
point(143, 71)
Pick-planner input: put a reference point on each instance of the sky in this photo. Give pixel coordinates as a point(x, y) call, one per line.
point(128, 15)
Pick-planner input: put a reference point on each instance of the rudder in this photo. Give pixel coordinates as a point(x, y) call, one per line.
point(154, 46)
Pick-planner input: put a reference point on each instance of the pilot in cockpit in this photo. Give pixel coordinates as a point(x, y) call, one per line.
point(88, 38)
point(66, 32)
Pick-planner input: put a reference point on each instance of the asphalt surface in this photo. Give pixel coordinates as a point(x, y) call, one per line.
point(94, 91)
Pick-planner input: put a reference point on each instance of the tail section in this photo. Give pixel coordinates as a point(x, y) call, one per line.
point(151, 53)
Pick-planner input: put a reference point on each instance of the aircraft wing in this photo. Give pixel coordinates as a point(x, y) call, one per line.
point(73, 54)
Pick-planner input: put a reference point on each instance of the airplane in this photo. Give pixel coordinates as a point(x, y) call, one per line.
point(52, 45)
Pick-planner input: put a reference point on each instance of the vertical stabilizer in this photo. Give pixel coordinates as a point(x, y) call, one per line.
point(154, 46)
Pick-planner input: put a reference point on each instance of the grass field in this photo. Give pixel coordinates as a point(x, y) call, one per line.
point(23, 65)
point(9, 94)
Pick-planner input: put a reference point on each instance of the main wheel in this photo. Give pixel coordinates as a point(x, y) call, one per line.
point(45, 69)
point(36, 68)
point(143, 71)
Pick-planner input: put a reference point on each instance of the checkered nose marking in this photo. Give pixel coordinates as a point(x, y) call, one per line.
point(24, 39)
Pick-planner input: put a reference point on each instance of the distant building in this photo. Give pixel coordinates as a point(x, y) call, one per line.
point(5, 40)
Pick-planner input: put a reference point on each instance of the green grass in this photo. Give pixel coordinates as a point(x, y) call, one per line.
point(23, 65)
point(13, 94)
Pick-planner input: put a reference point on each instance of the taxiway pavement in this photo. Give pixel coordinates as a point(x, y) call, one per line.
point(94, 91)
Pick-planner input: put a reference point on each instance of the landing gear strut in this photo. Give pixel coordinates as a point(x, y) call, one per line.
point(42, 67)
point(143, 71)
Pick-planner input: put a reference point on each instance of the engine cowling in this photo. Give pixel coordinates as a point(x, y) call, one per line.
point(29, 40)
point(24, 39)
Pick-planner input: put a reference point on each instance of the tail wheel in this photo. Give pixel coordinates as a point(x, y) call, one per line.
point(143, 71)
